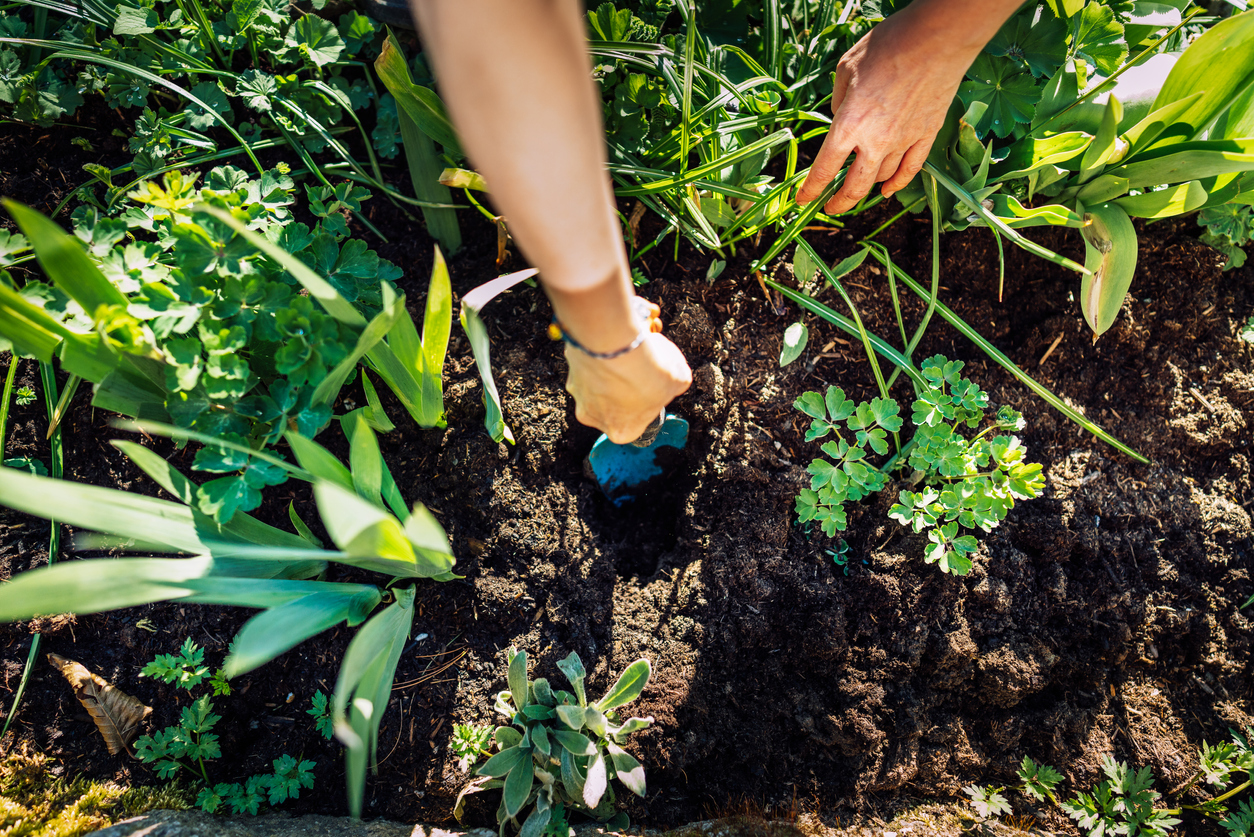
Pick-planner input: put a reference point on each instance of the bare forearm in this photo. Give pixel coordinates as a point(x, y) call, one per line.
point(518, 84)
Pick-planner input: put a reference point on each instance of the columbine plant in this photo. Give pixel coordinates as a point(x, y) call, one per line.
point(967, 482)
point(191, 742)
point(561, 751)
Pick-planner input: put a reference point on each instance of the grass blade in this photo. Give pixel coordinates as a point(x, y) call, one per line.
point(1009, 365)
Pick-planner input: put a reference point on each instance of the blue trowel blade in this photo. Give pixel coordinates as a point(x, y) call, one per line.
point(623, 470)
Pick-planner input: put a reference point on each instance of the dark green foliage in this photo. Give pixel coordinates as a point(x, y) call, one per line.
point(321, 713)
point(291, 76)
point(1122, 804)
point(188, 745)
point(968, 482)
point(1227, 230)
point(241, 346)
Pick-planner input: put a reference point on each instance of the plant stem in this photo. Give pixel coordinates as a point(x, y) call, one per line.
point(893, 219)
point(7, 396)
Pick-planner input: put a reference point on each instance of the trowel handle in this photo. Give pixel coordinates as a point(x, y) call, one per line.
point(650, 432)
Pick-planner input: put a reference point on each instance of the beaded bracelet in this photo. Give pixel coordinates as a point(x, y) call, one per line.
point(644, 311)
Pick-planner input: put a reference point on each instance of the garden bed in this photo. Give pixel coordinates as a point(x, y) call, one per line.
point(1100, 618)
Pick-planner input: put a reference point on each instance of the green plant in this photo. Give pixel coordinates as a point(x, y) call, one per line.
point(1247, 331)
point(191, 742)
point(469, 742)
point(248, 563)
point(184, 670)
point(560, 749)
point(321, 712)
point(25, 396)
point(968, 482)
point(213, 309)
point(1180, 151)
point(988, 802)
point(1121, 804)
point(257, 72)
point(1227, 230)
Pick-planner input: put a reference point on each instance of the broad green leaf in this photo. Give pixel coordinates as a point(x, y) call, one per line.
point(1011, 95)
point(425, 532)
point(1220, 64)
point(572, 716)
point(1061, 91)
point(372, 538)
point(572, 667)
point(803, 266)
point(1192, 161)
point(1175, 200)
point(133, 20)
point(518, 680)
point(540, 737)
point(315, 39)
point(65, 262)
point(575, 743)
point(503, 762)
point(365, 461)
point(318, 461)
point(1030, 154)
point(1017, 216)
point(480, 346)
point(1103, 188)
point(572, 779)
point(795, 337)
point(1142, 135)
point(812, 404)
point(425, 167)
point(538, 820)
point(437, 323)
point(629, 771)
point(629, 686)
point(421, 104)
point(596, 781)
point(278, 629)
point(1110, 253)
point(1097, 36)
point(1039, 43)
point(378, 327)
point(1105, 143)
point(518, 784)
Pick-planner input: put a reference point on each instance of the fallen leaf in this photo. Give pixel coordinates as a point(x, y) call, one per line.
point(117, 714)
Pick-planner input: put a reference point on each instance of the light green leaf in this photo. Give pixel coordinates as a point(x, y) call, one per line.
point(1220, 65)
point(274, 631)
point(575, 743)
point(421, 104)
point(1110, 253)
point(518, 680)
point(503, 762)
point(795, 337)
point(628, 770)
point(629, 686)
point(1175, 200)
point(1011, 95)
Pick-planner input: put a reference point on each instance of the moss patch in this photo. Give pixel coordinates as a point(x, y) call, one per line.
point(34, 803)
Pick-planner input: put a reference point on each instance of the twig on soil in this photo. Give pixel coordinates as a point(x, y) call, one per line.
point(1201, 399)
point(1050, 350)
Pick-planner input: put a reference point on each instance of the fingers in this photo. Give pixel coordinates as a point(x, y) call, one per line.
point(858, 181)
point(828, 163)
point(911, 164)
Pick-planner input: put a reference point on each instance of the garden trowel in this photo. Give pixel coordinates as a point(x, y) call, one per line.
point(625, 472)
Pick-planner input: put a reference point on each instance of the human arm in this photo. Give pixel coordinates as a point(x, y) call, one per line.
point(518, 84)
point(891, 94)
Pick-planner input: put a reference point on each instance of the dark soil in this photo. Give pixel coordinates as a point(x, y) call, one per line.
point(1099, 619)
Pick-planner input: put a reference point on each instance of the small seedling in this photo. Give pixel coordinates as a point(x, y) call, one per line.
point(988, 802)
point(24, 396)
point(322, 715)
point(185, 670)
point(470, 741)
point(192, 742)
point(840, 555)
point(1039, 780)
point(971, 483)
point(1246, 333)
point(1121, 804)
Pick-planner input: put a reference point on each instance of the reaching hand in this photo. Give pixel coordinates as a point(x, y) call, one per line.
point(890, 98)
point(621, 396)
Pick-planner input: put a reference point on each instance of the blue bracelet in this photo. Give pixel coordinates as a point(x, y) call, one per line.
point(639, 307)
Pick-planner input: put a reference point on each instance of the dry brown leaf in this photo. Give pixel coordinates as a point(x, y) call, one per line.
point(117, 714)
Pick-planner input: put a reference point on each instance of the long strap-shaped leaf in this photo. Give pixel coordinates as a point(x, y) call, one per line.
point(1010, 366)
point(997, 224)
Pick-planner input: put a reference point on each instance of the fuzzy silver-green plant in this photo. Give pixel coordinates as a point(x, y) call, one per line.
point(560, 749)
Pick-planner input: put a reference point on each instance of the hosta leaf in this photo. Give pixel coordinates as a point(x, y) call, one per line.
point(1010, 94)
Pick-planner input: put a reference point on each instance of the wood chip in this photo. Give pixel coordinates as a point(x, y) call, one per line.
point(1049, 351)
point(1201, 399)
